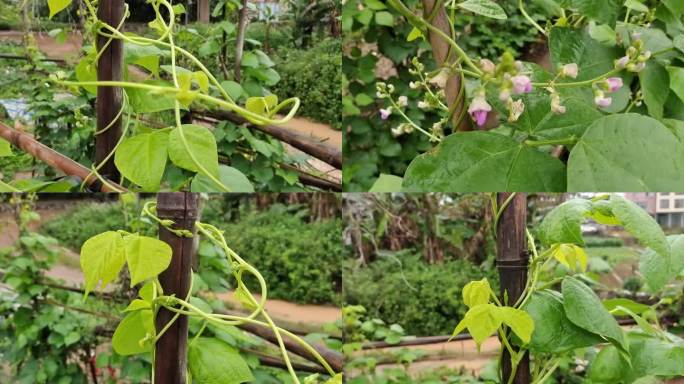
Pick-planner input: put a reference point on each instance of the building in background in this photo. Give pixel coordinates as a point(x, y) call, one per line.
point(666, 208)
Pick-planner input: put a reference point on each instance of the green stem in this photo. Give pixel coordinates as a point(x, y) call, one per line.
point(572, 140)
point(578, 83)
point(531, 20)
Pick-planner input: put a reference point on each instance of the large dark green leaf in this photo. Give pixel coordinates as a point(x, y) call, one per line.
point(627, 153)
point(640, 224)
point(584, 309)
point(212, 361)
point(604, 11)
point(553, 331)
point(562, 224)
point(659, 269)
point(576, 46)
point(538, 120)
point(483, 161)
point(656, 357)
point(655, 84)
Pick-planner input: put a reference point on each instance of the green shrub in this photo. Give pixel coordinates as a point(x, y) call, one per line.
point(315, 76)
point(73, 228)
point(594, 241)
point(426, 300)
point(300, 260)
point(9, 15)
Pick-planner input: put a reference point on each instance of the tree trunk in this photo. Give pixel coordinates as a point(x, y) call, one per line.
point(203, 12)
point(240, 44)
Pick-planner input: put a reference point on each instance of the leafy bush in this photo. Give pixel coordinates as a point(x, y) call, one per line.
point(405, 298)
point(300, 260)
point(9, 15)
point(314, 75)
point(73, 228)
point(592, 241)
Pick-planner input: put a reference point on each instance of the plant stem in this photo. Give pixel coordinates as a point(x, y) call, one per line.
point(531, 20)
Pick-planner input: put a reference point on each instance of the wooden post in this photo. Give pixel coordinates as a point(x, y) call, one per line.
point(203, 12)
point(181, 207)
point(441, 52)
point(512, 258)
point(109, 99)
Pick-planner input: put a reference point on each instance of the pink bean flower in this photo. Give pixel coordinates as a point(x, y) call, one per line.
point(570, 70)
point(478, 110)
point(603, 101)
point(521, 84)
point(614, 83)
point(385, 113)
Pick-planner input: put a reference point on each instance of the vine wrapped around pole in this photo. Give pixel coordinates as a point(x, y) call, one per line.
point(182, 208)
point(512, 260)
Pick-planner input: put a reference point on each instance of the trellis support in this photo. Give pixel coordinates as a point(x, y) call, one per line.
point(512, 259)
point(171, 349)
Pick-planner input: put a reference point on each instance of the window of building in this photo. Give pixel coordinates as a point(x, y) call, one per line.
point(664, 204)
point(679, 203)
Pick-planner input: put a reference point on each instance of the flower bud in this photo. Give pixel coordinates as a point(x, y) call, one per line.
point(402, 101)
point(487, 66)
point(570, 70)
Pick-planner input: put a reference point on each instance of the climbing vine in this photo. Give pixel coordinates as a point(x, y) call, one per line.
point(559, 314)
point(599, 118)
point(209, 360)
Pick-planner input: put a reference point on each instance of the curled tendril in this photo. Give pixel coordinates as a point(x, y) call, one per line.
point(240, 266)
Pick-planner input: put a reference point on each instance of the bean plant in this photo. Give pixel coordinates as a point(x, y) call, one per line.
point(606, 115)
point(557, 316)
point(209, 359)
point(142, 157)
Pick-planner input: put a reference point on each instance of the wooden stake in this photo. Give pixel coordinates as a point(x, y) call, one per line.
point(171, 349)
point(511, 258)
point(109, 99)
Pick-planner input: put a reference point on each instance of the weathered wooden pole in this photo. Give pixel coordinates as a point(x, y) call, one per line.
point(511, 259)
point(441, 51)
point(109, 99)
point(170, 359)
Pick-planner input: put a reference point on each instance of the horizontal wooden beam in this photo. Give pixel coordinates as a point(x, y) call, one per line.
point(54, 159)
point(306, 144)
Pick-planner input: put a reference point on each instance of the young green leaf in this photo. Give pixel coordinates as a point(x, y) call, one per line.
point(476, 293)
point(480, 321)
point(5, 148)
point(102, 257)
point(519, 321)
point(387, 183)
point(569, 255)
point(202, 144)
point(142, 159)
point(57, 6)
point(146, 256)
point(135, 327)
point(212, 361)
point(485, 8)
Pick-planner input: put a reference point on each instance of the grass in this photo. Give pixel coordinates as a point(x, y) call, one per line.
point(614, 255)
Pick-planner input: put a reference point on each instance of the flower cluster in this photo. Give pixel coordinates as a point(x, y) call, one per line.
point(636, 57)
point(509, 75)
